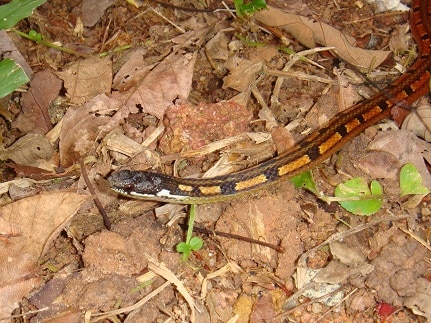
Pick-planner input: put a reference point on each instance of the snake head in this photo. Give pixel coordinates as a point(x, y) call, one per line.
point(127, 182)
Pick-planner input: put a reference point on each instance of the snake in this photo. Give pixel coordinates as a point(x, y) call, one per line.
point(308, 153)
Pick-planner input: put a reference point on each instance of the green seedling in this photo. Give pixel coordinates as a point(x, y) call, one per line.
point(411, 181)
point(247, 9)
point(305, 180)
point(369, 198)
point(38, 38)
point(192, 243)
point(357, 197)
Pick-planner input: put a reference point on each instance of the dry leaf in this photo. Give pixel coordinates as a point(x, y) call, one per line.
point(312, 33)
point(168, 81)
point(419, 121)
point(133, 71)
point(242, 75)
point(29, 150)
point(29, 226)
point(216, 47)
point(420, 302)
point(87, 78)
point(406, 147)
point(81, 127)
point(44, 88)
point(92, 10)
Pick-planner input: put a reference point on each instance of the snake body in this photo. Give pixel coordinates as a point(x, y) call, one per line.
point(312, 151)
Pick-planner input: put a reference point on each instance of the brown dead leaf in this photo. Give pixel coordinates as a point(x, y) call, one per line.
point(419, 121)
point(312, 33)
point(265, 219)
point(168, 81)
point(84, 79)
point(81, 126)
point(406, 147)
point(217, 47)
point(92, 10)
point(44, 88)
point(264, 309)
point(31, 150)
point(242, 75)
point(29, 226)
point(420, 302)
point(133, 71)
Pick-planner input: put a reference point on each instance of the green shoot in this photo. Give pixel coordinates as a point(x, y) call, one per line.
point(305, 180)
point(357, 197)
point(358, 187)
point(411, 181)
point(38, 38)
point(250, 8)
point(192, 243)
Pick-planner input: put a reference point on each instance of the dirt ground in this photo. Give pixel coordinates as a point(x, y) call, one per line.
point(185, 92)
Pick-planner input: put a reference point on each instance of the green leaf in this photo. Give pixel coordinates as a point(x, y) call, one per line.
point(35, 36)
point(183, 247)
point(376, 188)
point(362, 202)
point(11, 77)
point(305, 180)
point(411, 181)
point(195, 243)
point(16, 10)
point(250, 8)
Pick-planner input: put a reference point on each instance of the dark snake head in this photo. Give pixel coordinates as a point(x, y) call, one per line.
point(127, 182)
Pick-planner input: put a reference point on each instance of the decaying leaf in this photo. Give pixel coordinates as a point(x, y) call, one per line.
point(87, 78)
point(92, 11)
point(132, 71)
point(27, 228)
point(406, 147)
point(217, 47)
point(44, 88)
point(169, 80)
point(242, 75)
point(30, 150)
point(420, 302)
point(82, 125)
point(310, 33)
point(419, 121)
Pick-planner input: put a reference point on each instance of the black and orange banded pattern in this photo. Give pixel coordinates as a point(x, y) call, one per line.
point(311, 151)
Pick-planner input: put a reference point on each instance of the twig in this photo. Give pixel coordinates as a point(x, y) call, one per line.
point(279, 249)
point(99, 205)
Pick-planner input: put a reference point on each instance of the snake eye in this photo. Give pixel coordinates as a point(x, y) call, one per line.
point(129, 187)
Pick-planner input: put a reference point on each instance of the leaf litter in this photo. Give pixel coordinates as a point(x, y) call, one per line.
point(120, 112)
